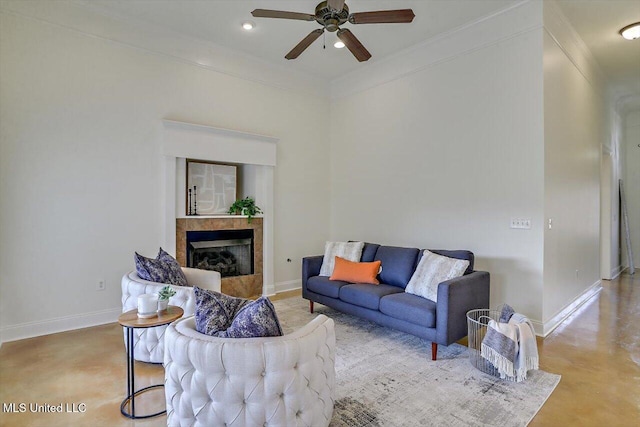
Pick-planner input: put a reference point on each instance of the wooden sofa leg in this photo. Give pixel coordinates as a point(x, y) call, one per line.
point(434, 351)
point(311, 307)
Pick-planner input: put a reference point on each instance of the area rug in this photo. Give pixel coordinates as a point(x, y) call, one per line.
point(387, 378)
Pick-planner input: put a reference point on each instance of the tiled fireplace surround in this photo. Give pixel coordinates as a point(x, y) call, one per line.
point(255, 155)
point(239, 286)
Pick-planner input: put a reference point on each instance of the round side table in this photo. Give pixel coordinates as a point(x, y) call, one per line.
point(131, 321)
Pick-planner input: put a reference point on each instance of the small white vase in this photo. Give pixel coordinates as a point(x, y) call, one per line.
point(146, 305)
point(162, 304)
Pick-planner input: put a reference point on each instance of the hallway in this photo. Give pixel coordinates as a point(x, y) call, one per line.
point(597, 352)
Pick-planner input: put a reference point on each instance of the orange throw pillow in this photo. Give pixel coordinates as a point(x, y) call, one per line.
point(355, 272)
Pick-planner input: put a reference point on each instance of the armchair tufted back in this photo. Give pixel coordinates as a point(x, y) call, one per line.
point(277, 381)
point(149, 342)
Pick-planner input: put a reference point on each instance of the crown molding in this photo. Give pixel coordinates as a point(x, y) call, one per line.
point(505, 24)
point(558, 27)
point(168, 123)
point(96, 23)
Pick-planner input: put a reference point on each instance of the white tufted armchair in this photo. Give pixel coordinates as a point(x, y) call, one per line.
point(278, 381)
point(149, 342)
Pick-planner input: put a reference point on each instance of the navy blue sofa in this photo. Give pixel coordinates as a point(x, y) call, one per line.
point(387, 304)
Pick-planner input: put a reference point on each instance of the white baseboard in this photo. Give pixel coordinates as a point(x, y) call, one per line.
point(60, 324)
point(617, 271)
point(542, 329)
point(86, 320)
point(538, 326)
point(568, 310)
point(288, 285)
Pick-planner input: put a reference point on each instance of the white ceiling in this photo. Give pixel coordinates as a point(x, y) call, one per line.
point(598, 23)
point(219, 21)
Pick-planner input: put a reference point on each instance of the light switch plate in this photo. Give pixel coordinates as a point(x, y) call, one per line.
point(521, 223)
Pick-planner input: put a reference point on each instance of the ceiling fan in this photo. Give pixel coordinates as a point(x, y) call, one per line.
point(331, 14)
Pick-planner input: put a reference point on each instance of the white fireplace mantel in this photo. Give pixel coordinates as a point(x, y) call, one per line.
point(182, 140)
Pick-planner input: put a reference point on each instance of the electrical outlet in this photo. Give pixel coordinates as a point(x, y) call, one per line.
point(102, 285)
point(521, 223)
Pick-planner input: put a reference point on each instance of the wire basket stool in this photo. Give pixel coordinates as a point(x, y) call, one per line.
point(477, 321)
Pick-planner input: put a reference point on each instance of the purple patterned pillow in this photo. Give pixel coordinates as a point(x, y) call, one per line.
point(163, 269)
point(224, 316)
point(172, 268)
point(215, 311)
point(256, 319)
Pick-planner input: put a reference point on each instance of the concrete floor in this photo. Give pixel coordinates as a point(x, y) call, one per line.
point(597, 352)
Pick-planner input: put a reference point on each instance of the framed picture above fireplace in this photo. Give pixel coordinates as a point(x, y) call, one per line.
point(211, 187)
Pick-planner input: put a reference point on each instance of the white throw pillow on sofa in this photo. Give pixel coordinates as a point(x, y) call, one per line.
point(433, 269)
point(351, 251)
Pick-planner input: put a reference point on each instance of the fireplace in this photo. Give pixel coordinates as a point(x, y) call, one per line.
point(229, 252)
point(256, 155)
point(193, 234)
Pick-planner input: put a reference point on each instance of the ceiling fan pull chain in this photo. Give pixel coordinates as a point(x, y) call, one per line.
point(324, 40)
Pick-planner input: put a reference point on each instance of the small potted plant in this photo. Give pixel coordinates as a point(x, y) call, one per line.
point(246, 206)
point(163, 297)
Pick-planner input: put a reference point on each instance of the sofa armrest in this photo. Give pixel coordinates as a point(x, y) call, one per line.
point(455, 298)
point(205, 279)
point(310, 267)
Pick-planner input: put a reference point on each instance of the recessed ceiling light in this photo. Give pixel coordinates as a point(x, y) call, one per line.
point(338, 45)
point(248, 25)
point(631, 32)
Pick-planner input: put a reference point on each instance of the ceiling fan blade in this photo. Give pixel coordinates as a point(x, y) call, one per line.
point(265, 13)
point(383, 17)
point(336, 4)
point(353, 44)
point(305, 43)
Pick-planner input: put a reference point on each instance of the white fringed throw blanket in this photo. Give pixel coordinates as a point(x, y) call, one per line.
point(511, 347)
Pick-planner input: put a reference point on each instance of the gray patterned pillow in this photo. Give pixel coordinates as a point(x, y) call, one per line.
point(163, 269)
point(431, 271)
point(224, 316)
point(351, 251)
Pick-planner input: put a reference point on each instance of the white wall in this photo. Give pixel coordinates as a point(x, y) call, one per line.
point(576, 131)
point(632, 183)
point(444, 156)
point(610, 174)
point(573, 125)
point(80, 165)
point(439, 147)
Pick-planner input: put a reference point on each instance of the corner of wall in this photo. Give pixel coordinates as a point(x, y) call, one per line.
point(565, 36)
point(568, 310)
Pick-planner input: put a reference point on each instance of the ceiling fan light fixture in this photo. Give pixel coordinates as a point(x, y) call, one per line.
point(331, 15)
point(631, 32)
point(248, 25)
point(339, 44)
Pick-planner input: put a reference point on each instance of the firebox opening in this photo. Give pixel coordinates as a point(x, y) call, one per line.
point(229, 252)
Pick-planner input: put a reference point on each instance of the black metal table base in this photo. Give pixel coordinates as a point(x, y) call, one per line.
point(132, 398)
point(131, 392)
